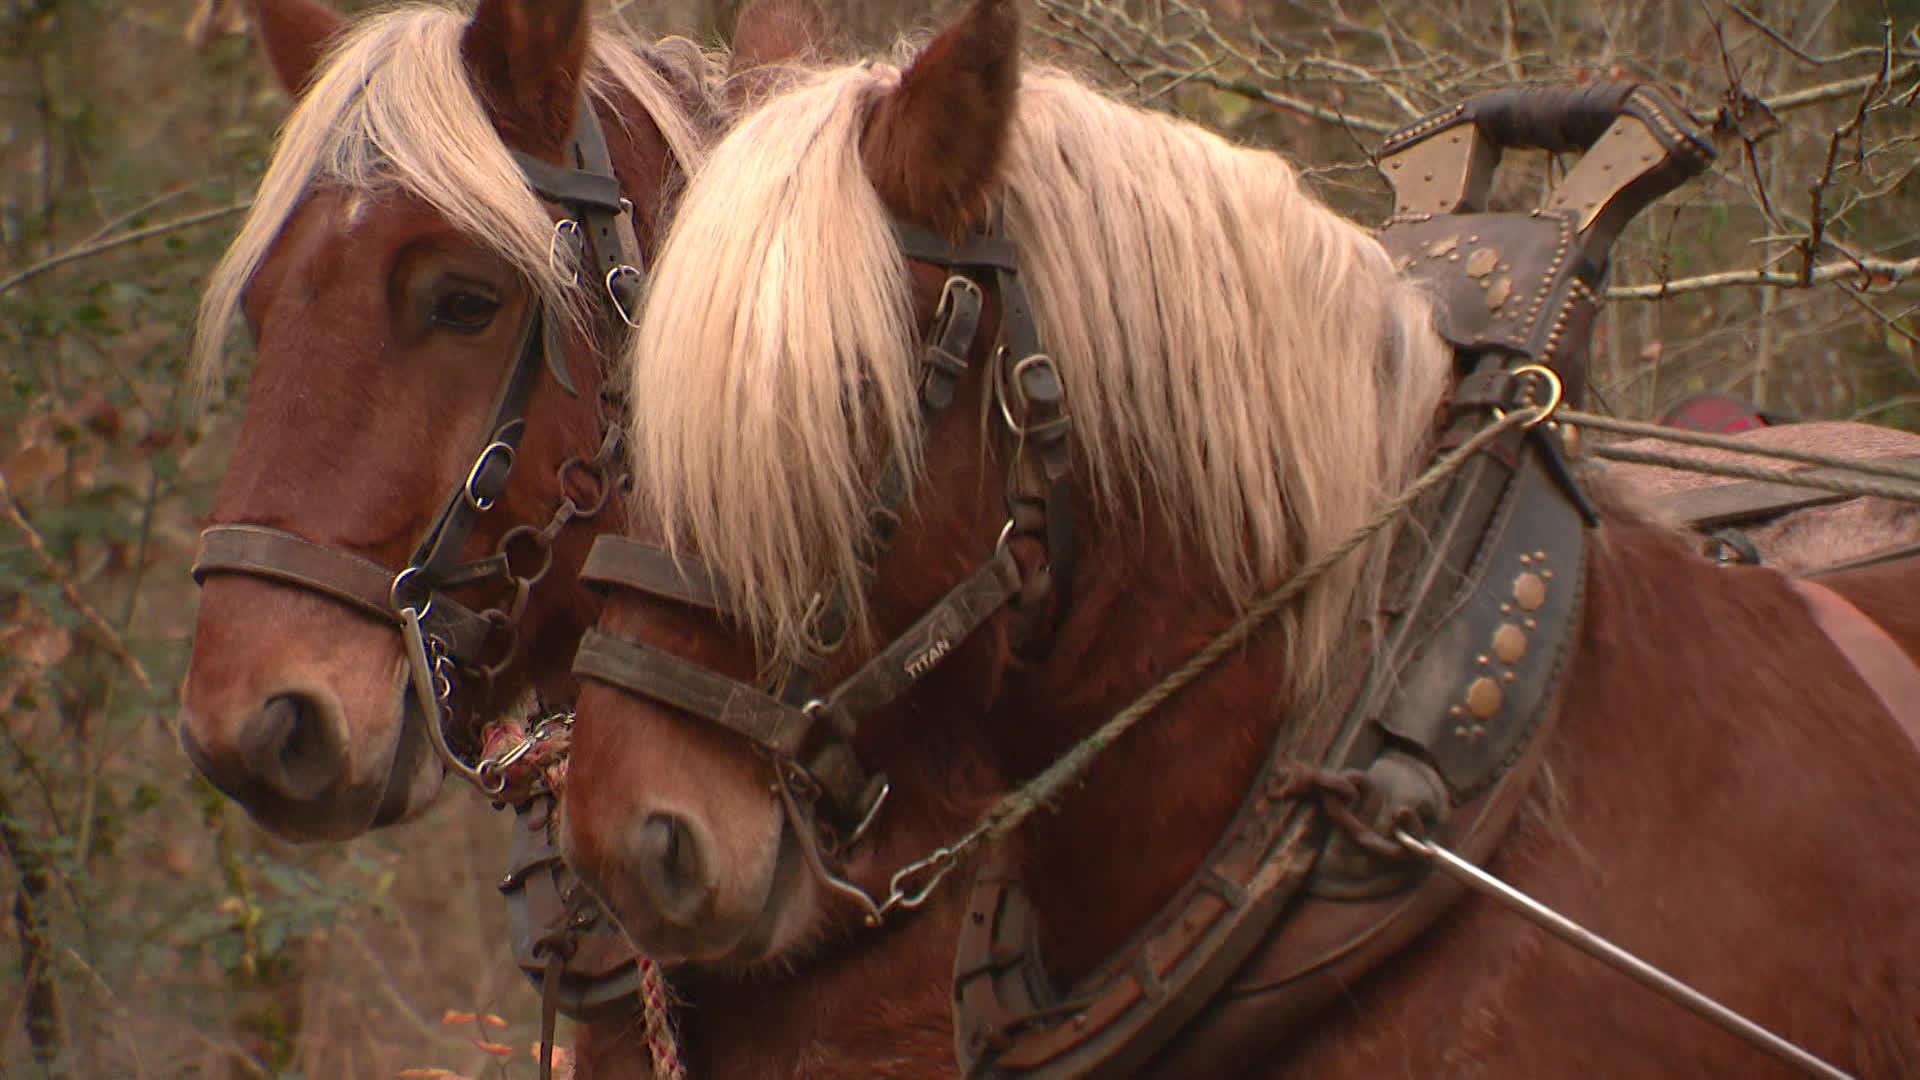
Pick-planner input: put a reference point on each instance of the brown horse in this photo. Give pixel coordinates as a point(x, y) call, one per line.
point(391, 258)
point(1247, 378)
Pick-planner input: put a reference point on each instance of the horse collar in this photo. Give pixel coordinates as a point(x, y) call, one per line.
point(1441, 733)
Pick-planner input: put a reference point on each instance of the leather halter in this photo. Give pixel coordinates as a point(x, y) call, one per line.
point(463, 636)
point(805, 732)
point(559, 938)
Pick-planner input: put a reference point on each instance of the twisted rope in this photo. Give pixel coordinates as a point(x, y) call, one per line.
point(1597, 422)
point(1842, 485)
point(662, 1045)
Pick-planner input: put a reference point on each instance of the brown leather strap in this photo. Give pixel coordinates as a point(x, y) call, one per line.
point(359, 583)
point(1879, 661)
point(648, 568)
point(282, 556)
point(918, 648)
point(653, 673)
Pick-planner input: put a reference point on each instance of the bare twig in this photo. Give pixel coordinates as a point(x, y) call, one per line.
point(101, 247)
point(1877, 272)
point(10, 509)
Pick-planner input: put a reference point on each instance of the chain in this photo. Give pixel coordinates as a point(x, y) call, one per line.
point(525, 552)
point(527, 757)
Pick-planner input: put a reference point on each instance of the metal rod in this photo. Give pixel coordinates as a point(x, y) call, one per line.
point(415, 641)
point(1600, 948)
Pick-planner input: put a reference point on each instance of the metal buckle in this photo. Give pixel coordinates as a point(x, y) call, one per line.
point(956, 283)
point(1001, 394)
point(482, 505)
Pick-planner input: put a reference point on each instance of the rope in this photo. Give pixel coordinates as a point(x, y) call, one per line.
point(662, 1046)
point(1597, 422)
point(1794, 477)
point(1016, 806)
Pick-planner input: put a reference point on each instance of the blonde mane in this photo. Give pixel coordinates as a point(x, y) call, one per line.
point(393, 108)
point(1237, 357)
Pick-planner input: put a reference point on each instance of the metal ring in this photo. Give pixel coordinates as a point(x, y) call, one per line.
point(1000, 544)
point(600, 486)
point(394, 591)
point(619, 308)
point(492, 780)
point(569, 228)
point(1556, 394)
point(473, 475)
point(541, 548)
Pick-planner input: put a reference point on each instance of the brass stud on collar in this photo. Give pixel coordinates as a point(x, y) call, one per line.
point(1529, 591)
point(1509, 643)
point(1484, 697)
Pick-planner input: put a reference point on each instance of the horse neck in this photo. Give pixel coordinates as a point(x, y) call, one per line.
point(1163, 793)
point(875, 1008)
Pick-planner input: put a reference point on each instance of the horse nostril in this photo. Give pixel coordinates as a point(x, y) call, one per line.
point(291, 747)
point(672, 870)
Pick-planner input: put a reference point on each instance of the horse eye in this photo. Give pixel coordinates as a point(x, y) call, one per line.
point(464, 312)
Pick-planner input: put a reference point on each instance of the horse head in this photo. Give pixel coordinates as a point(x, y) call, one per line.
point(428, 312)
point(995, 398)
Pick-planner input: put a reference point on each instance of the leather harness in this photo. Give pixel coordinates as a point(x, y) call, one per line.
point(1446, 731)
point(806, 732)
point(1442, 732)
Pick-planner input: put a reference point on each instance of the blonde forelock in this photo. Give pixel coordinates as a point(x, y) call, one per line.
point(1237, 357)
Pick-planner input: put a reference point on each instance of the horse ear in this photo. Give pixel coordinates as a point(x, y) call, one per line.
point(932, 147)
point(526, 59)
point(768, 33)
point(294, 35)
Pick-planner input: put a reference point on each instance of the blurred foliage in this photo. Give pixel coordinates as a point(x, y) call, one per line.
point(152, 931)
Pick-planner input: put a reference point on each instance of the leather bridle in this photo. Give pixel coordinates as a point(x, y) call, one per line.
point(806, 733)
point(446, 640)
